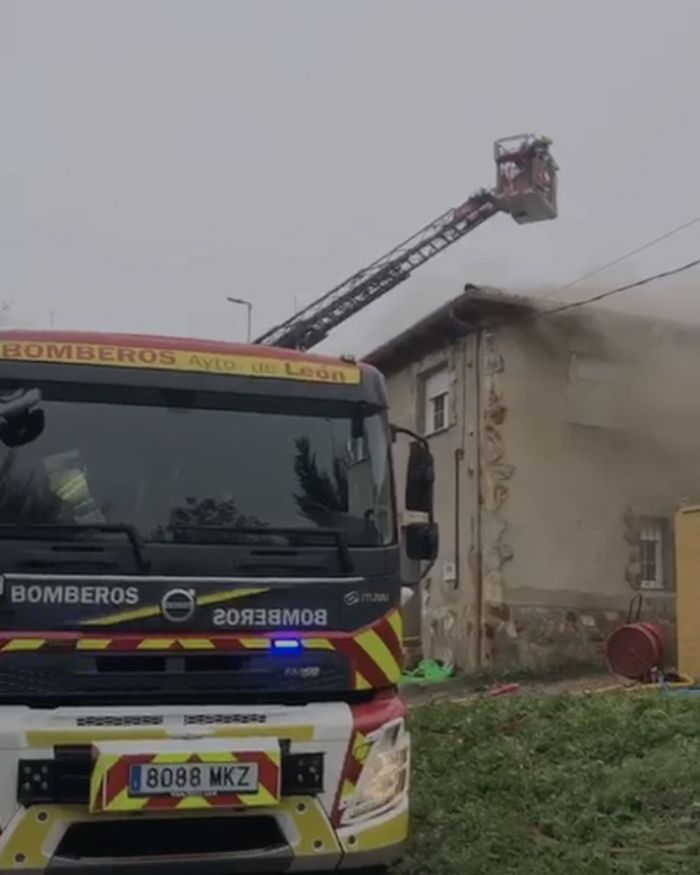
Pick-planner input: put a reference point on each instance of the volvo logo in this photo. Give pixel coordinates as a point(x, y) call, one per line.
point(178, 605)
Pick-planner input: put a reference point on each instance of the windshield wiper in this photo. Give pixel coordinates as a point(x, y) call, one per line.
point(10, 530)
point(344, 558)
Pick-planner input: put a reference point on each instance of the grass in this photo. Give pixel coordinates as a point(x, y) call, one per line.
point(557, 785)
point(571, 669)
point(480, 679)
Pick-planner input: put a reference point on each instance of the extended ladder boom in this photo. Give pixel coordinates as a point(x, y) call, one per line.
point(312, 324)
point(525, 188)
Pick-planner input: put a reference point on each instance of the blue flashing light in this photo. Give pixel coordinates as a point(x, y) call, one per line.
point(286, 644)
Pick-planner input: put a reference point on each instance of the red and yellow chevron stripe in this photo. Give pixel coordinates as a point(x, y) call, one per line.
point(109, 783)
point(374, 653)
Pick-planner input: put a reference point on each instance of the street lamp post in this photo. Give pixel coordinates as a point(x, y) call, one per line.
point(249, 308)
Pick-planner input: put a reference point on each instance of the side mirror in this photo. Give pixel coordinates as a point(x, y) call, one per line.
point(419, 479)
point(421, 541)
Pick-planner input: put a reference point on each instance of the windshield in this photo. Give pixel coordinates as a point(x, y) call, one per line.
point(172, 469)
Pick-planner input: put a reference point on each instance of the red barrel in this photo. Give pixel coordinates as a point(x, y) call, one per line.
point(635, 650)
point(656, 632)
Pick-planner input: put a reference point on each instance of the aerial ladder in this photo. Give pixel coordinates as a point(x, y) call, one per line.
point(526, 189)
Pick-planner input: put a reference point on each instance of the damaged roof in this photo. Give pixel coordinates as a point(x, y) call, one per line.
point(472, 308)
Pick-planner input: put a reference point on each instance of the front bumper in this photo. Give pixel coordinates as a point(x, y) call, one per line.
point(38, 841)
point(300, 832)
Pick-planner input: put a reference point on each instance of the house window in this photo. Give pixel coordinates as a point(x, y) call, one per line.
point(437, 401)
point(596, 392)
point(595, 370)
point(438, 412)
point(651, 555)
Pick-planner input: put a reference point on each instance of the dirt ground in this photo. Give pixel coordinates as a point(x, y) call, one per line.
point(462, 689)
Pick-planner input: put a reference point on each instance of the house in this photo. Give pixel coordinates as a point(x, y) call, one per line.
point(563, 445)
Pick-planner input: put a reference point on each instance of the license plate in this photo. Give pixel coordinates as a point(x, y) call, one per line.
point(193, 779)
point(174, 774)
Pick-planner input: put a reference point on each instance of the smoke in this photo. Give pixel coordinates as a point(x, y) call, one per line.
point(633, 378)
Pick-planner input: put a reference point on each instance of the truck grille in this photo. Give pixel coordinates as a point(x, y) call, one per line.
point(202, 836)
point(108, 720)
point(57, 679)
point(223, 719)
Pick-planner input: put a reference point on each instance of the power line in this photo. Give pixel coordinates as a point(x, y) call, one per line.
point(583, 302)
point(621, 258)
point(600, 297)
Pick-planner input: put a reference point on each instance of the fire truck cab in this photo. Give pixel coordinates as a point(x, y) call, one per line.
point(200, 628)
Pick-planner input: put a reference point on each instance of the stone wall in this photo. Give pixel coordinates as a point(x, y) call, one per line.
point(565, 435)
point(572, 499)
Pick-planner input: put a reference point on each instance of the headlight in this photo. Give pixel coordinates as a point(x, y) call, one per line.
point(384, 777)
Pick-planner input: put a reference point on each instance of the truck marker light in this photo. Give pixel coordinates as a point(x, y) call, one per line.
point(286, 644)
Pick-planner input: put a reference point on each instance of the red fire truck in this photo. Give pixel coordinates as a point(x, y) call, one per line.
point(200, 636)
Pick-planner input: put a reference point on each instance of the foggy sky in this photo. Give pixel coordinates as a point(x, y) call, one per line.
point(159, 155)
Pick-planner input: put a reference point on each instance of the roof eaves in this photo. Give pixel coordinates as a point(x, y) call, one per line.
point(472, 308)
